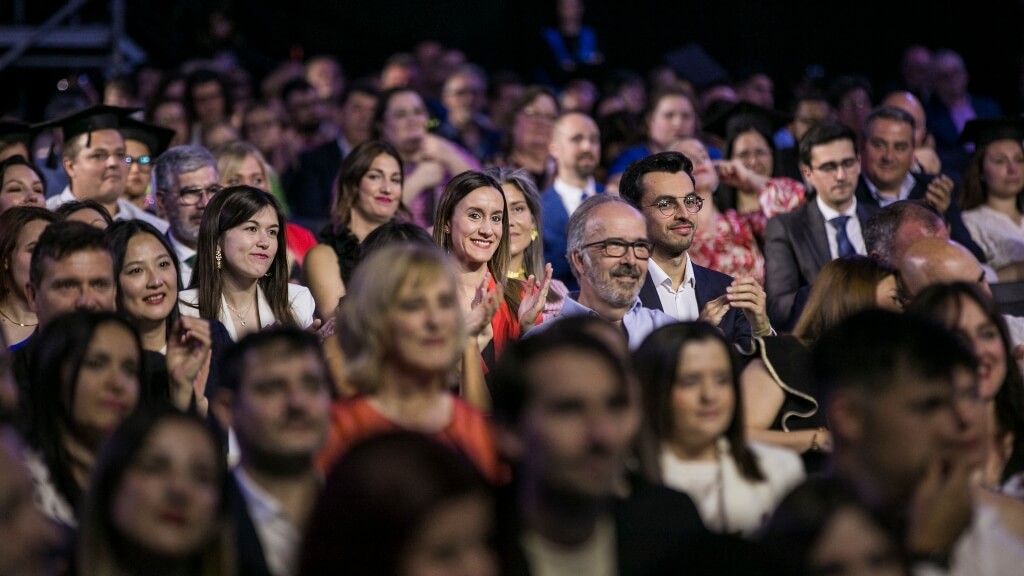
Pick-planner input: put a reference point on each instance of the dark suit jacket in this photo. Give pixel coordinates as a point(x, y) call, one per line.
point(957, 229)
point(310, 185)
point(651, 526)
point(795, 249)
point(250, 560)
point(708, 284)
point(555, 221)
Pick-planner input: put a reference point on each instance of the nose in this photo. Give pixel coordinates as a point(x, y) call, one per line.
point(154, 280)
point(204, 199)
point(840, 172)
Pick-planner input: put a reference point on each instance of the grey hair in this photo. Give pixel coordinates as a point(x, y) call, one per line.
point(880, 230)
point(180, 160)
point(577, 227)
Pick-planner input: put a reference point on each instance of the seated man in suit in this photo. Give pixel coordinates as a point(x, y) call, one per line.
point(566, 414)
point(275, 396)
point(887, 157)
point(661, 186)
point(576, 148)
point(799, 243)
point(310, 185)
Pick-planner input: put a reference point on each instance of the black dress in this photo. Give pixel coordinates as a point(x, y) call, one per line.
point(346, 248)
point(791, 365)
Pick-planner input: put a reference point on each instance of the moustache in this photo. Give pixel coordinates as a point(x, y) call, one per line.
point(626, 270)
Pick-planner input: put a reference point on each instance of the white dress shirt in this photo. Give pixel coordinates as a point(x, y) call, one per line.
point(883, 201)
point(279, 538)
point(853, 230)
point(183, 253)
point(572, 196)
point(680, 304)
point(125, 210)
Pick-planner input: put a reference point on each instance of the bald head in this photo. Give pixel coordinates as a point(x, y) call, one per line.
point(939, 261)
point(576, 147)
point(911, 105)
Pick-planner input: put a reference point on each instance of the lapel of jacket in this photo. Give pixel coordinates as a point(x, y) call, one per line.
point(815, 239)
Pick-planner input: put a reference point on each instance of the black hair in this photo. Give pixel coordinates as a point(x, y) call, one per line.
point(631, 187)
point(60, 240)
point(294, 340)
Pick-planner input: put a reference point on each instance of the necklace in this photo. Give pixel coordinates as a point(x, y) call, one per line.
point(241, 315)
point(13, 321)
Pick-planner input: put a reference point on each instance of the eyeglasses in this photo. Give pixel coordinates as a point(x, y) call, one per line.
point(669, 205)
point(831, 168)
point(191, 196)
point(616, 248)
point(538, 116)
point(144, 162)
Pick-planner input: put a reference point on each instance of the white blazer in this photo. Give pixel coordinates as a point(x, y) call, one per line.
point(299, 298)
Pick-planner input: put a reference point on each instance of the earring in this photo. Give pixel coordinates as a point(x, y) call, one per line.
point(533, 235)
point(218, 257)
point(267, 275)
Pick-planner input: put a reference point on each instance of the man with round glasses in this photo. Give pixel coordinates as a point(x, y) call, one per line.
point(662, 187)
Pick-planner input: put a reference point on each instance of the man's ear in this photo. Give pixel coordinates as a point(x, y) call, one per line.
point(805, 170)
point(576, 261)
point(846, 415)
point(161, 197)
point(223, 402)
point(509, 442)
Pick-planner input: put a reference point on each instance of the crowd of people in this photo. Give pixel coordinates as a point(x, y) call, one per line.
point(436, 322)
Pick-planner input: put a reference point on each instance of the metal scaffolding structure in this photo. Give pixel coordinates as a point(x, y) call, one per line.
point(62, 41)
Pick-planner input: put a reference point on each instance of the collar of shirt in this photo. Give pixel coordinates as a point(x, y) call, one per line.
point(572, 196)
point(883, 201)
point(829, 213)
point(660, 278)
point(261, 505)
point(572, 307)
point(183, 252)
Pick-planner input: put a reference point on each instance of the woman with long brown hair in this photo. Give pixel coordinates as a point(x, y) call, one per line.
point(241, 272)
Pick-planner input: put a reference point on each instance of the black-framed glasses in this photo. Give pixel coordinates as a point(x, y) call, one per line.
point(191, 196)
point(142, 161)
point(831, 168)
point(616, 248)
point(669, 205)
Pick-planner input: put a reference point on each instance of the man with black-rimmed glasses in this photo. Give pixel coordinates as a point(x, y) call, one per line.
point(661, 186)
point(608, 249)
point(186, 178)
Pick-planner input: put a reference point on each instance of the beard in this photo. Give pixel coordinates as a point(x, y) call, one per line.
point(609, 290)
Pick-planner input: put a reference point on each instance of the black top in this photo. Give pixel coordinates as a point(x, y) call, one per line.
point(346, 248)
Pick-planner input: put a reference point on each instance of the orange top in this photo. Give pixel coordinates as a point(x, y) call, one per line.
point(469, 433)
point(505, 325)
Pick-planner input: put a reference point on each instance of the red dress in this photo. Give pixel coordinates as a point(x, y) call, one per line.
point(355, 419)
point(732, 244)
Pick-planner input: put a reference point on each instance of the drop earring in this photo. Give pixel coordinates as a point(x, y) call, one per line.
point(218, 257)
point(533, 235)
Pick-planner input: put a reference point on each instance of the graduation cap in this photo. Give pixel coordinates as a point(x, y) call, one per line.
point(984, 132)
point(12, 131)
point(742, 116)
point(156, 138)
point(693, 63)
point(89, 120)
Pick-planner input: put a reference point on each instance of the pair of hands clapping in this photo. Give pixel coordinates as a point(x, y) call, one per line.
point(486, 303)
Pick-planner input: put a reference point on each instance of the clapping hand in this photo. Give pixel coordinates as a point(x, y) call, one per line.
point(940, 193)
point(747, 295)
point(188, 359)
point(485, 304)
point(534, 299)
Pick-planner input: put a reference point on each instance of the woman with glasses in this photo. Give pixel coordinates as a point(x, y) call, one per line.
point(428, 160)
point(723, 241)
point(747, 175)
point(526, 145)
point(142, 144)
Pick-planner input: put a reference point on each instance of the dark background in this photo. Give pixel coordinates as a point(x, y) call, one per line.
point(783, 36)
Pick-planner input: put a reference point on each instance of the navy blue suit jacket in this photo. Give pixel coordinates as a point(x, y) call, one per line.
point(555, 221)
point(957, 229)
point(310, 186)
point(250, 556)
point(708, 284)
